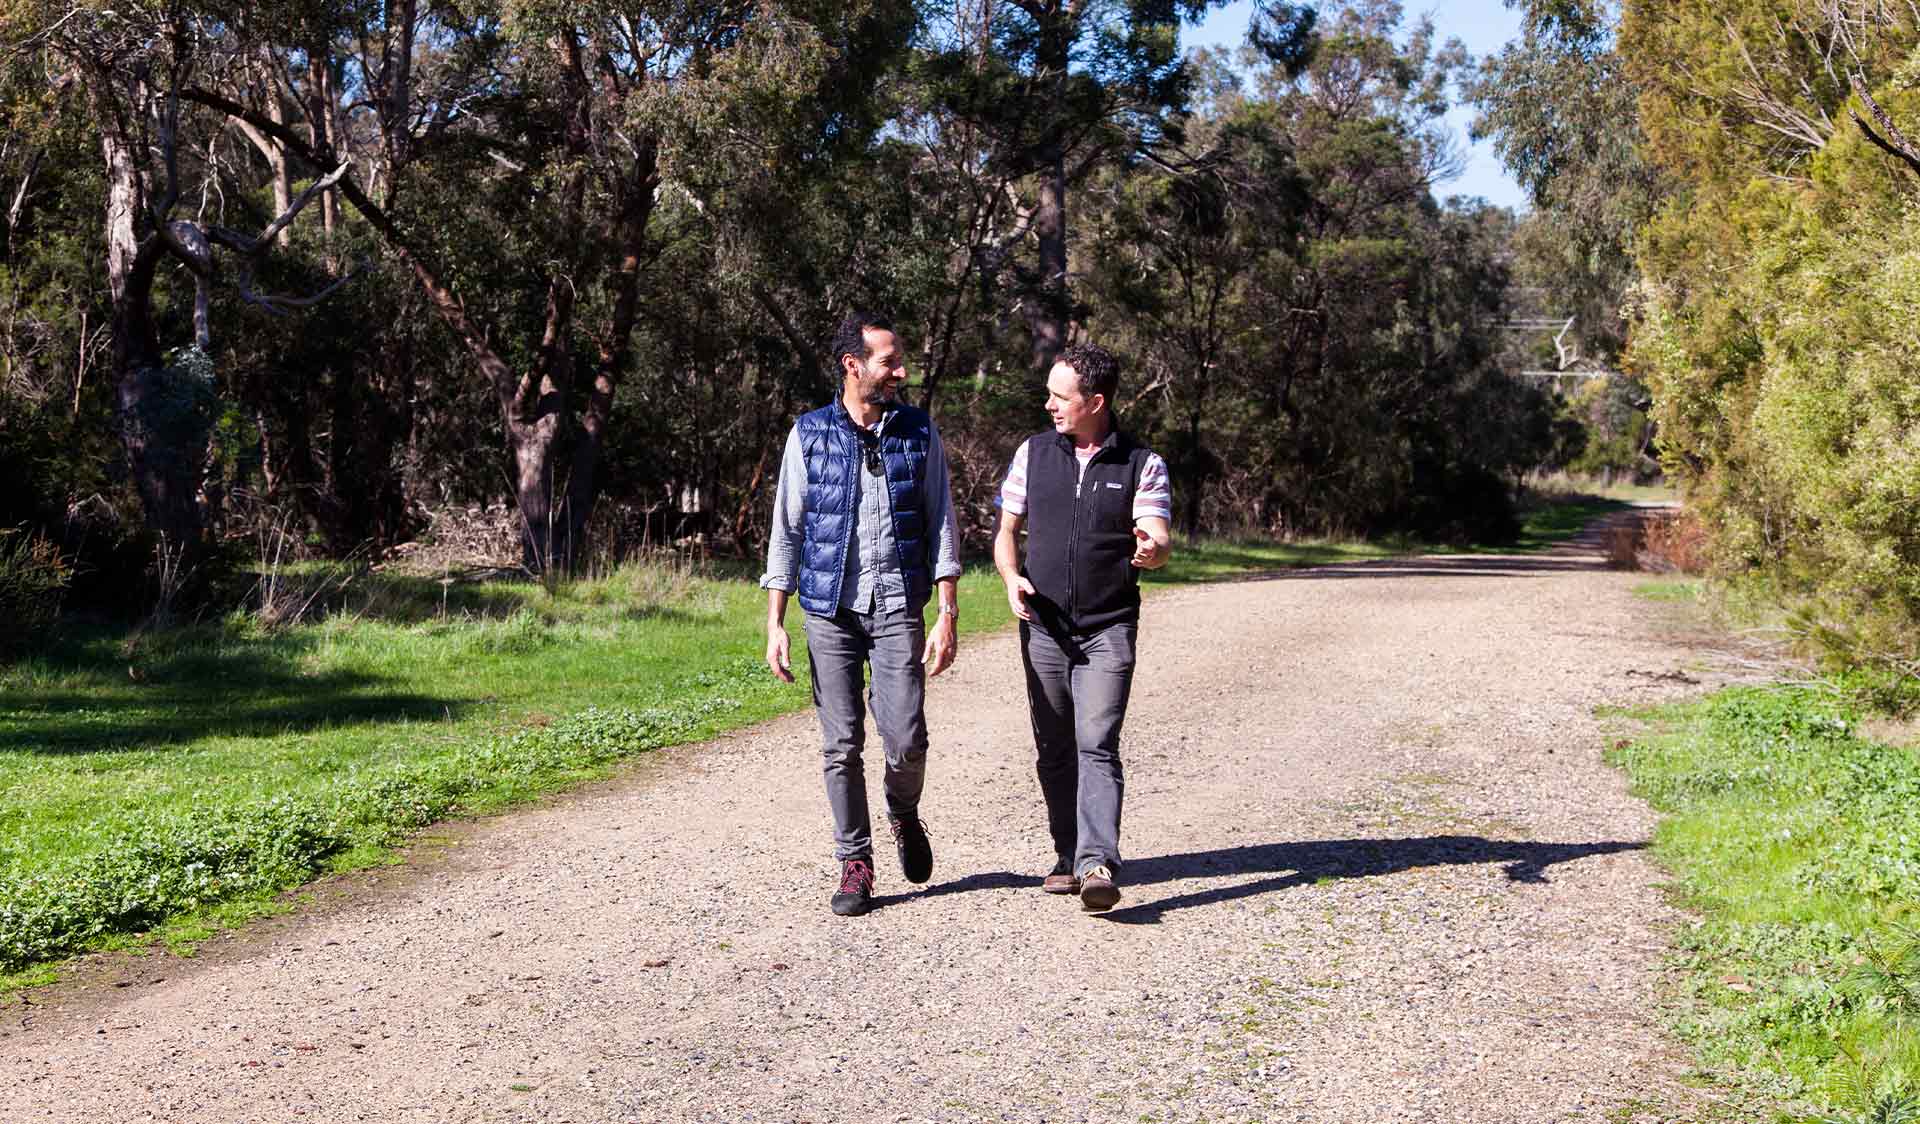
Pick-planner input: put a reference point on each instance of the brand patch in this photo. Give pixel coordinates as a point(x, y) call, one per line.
point(1111, 484)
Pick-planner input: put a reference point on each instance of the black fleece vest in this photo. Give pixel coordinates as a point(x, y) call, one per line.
point(1080, 547)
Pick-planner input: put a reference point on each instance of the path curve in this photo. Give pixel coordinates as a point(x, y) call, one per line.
point(1377, 872)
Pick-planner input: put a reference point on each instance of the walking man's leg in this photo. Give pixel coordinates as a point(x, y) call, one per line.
point(898, 698)
point(1048, 664)
point(837, 651)
point(1102, 683)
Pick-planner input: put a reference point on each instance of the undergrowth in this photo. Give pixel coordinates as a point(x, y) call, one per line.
point(1796, 842)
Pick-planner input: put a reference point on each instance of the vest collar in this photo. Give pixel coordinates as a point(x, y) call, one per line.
point(844, 418)
point(1114, 440)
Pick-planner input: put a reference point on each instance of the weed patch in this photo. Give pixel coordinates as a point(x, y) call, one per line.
point(1797, 843)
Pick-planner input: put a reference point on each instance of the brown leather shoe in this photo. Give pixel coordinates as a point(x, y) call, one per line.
point(1061, 880)
point(1097, 890)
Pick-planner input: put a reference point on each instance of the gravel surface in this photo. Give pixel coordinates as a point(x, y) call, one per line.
point(1376, 871)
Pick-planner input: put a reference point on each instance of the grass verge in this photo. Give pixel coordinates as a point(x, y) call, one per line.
point(178, 781)
point(1795, 840)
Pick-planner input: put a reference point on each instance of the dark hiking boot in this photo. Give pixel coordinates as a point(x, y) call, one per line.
point(1097, 889)
point(855, 895)
point(1061, 879)
point(916, 851)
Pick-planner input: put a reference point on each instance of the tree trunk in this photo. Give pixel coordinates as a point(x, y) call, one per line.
point(276, 154)
point(158, 419)
point(1049, 321)
point(544, 541)
point(615, 344)
point(320, 103)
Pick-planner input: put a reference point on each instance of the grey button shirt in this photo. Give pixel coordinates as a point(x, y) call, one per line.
point(873, 582)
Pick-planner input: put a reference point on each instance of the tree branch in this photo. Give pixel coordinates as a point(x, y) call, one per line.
point(1895, 142)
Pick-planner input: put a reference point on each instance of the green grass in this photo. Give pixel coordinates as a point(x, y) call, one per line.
point(1796, 842)
point(1560, 520)
point(1682, 591)
point(1217, 559)
point(177, 781)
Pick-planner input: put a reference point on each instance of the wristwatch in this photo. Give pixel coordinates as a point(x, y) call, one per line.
point(950, 610)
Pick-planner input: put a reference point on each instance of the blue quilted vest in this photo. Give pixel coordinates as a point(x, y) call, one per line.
point(833, 454)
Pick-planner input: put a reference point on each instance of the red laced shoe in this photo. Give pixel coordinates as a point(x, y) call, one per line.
point(855, 895)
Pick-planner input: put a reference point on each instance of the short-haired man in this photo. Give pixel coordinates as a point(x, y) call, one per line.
point(863, 528)
point(1096, 506)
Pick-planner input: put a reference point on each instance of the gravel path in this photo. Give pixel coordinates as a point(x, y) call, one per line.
point(1377, 872)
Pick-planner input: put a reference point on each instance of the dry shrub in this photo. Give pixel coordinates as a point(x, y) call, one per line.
point(1625, 541)
point(1675, 542)
point(977, 461)
point(1660, 542)
point(460, 539)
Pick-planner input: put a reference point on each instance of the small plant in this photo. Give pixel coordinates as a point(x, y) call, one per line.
point(170, 575)
point(1872, 1092)
point(1889, 971)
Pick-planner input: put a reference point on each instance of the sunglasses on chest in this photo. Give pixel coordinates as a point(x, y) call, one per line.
point(870, 442)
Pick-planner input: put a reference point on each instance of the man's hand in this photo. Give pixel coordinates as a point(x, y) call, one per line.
point(777, 657)
point(941, 646)
point(1018, 589)
point(1149, 553)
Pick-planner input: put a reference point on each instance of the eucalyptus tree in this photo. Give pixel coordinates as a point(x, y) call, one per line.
point(132, 66)
point(570, 122)
point(1319, 336)
point(1051, 90)
point(1560, 110)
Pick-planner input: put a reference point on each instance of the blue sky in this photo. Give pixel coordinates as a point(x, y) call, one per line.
point(1483, 25)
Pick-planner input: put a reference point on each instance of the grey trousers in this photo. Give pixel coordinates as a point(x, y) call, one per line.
point(839, 649)
point(1077, 688)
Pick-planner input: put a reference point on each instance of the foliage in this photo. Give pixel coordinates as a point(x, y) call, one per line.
point(590, 280)
point(1316, 339)
point(1792, 839)
point(1773, 324)
point(1559, 105)
point(33, 580)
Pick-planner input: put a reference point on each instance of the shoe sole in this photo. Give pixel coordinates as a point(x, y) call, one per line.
point(1094, 899)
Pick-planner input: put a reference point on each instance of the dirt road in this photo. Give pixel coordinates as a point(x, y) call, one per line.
point(1376, 871)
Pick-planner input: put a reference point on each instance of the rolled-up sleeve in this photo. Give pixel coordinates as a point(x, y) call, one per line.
point(783, 539)
point(939, 510)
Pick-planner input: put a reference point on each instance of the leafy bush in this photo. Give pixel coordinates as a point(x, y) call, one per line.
point(33, 579)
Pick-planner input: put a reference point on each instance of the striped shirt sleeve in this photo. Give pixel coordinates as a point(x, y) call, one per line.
point(1154, 496)
point(1013, 489)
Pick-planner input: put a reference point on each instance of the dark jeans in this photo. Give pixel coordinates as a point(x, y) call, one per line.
point(1077, 687)
point(838, 650)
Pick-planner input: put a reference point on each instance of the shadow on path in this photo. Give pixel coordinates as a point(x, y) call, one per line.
point(1296, 864)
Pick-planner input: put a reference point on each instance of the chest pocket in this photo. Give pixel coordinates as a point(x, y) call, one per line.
point(1108, 494)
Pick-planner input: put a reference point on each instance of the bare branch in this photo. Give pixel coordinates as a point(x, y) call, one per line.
point(313, 189)
point(278, 304)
